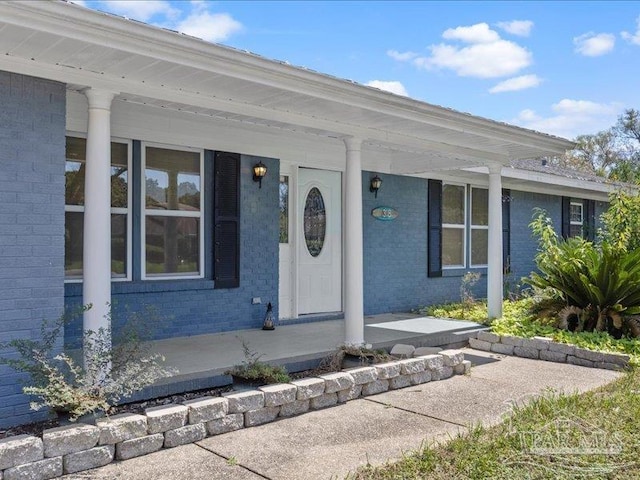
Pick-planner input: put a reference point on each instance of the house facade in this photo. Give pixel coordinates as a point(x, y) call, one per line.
point(127, 157)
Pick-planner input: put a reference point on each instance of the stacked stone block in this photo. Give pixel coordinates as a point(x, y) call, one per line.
point(543, 348)
point(79, 447)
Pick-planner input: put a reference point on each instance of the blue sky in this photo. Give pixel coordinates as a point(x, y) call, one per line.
point(565, 68)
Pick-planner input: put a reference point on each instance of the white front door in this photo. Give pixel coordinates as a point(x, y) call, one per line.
point(319, 240)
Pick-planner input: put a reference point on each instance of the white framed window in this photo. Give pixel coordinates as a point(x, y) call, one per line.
point(172, 212)
point(454, 214)
point(576, 219)
point(121, 191)
point(479, 235)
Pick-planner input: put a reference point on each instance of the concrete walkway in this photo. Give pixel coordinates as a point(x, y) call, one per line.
point(331, 443)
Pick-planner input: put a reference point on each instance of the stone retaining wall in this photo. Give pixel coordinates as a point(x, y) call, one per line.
point(543, 348)
point(79, 447)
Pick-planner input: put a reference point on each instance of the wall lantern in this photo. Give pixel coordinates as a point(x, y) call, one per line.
point(259, 171)
point(375, 185)
point(269, 323)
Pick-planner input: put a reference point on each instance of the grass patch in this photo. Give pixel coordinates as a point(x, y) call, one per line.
point(477, 312)
point(592, 435)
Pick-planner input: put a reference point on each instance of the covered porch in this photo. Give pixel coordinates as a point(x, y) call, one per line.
point(201, 360)
point(144, 84)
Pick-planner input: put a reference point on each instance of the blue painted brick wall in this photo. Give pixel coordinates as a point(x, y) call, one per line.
point(32, 129)
point(523, 244)
point(193, 307)
point(395, 252)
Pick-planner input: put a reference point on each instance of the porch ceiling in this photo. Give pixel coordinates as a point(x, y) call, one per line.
point(152, 66)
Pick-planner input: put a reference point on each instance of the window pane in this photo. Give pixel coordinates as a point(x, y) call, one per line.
point(73, 237)
point(315, 222)
point(118, 246)
point(172, 245)
point(172, 179)
point(73, 248)
point(479, 206)
point(284, 209)
point(452, 247)
point(75, 172)
point(119, 175)
point(479, 246)
point(575, 230)
point(576, 212)
point(453, 204)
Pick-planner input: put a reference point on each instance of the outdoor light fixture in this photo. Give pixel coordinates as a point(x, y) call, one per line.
point(268, 319)
point(375, 185)
point(259, 171)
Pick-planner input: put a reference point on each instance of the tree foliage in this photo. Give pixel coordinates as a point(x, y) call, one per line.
point(613, 153)
point(621, 222)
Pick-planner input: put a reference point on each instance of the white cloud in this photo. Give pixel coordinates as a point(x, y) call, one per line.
point(389, 86)
point(594, 45)
point(482, 60)
point(633, 38)
point(478, 33)
point(401, 56)
point(142, 10)
point(213, 27)
point(194, 17)
point(521, 28)
point(486, 55)
point(570, 118)
point(517, 83)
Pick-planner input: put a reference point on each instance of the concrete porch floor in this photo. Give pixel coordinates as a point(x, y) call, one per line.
point(202, 360)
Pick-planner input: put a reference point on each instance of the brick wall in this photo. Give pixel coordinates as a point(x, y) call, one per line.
point(395, 252)
point(32, 129)
point(193, 307)
point(523, 244)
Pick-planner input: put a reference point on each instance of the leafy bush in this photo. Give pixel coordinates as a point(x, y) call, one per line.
point(254, 370)
point(602, 281)
point(112, 370)
point(621, 222)
point(518, 321)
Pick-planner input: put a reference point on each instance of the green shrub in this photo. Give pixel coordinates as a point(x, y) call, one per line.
point(621, 221)
point(603, 281)
point(112, 370)
point(254, 370)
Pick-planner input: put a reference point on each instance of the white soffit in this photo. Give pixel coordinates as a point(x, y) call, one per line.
point(149, 65)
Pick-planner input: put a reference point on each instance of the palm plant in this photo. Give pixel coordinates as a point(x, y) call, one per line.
point(600, 280)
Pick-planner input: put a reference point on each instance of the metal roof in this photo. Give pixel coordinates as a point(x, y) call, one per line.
point(149, 65)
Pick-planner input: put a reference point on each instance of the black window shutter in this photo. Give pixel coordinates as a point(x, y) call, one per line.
point(434, 206)
point(589, 220)
point(506, 230)
point(566, 217)
point(226, 234)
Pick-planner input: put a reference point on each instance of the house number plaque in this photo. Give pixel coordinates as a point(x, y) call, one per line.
point(386, 214)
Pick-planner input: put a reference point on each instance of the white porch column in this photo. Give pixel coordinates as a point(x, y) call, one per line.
point(494, 271)
point(96, 258)
point(353, 273)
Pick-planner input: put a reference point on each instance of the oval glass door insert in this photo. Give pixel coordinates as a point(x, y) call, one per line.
point(315, 222)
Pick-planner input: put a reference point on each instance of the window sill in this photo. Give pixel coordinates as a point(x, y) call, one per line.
point(459, 272)
point(123, 288)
